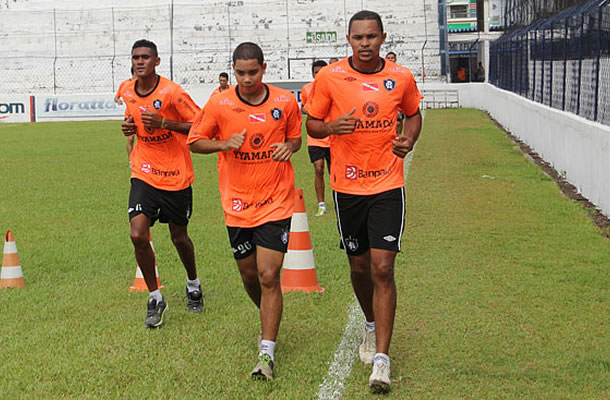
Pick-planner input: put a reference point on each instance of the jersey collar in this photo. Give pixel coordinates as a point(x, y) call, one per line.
point(149, 93)
point(351, 64)
point(250, 104)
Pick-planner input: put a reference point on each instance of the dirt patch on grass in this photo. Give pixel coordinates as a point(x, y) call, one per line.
point(569, 190)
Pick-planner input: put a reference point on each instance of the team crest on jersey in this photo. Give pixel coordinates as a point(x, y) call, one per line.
point(349, 78)
point(370, 109)
point(238, 205)
point(276, 113)
point(370, 87)
point(257, 140)
point(257, 118)
point(157, 104)
point(389, 84)
point(351, 172)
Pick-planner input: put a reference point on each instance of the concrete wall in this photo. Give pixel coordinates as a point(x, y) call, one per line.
point(76, 46)
point(576, 147)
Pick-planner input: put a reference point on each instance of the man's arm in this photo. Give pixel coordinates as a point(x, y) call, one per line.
point(283, 151)
point(207, 146)
point(404, 144)
point(153, 120)
point(343, 125)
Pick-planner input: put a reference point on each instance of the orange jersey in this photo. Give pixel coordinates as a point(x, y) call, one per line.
point(362, 162)
point(254, 189)
point(311, 141)
point(122, 86)
point(161, 157)
point(217, 90)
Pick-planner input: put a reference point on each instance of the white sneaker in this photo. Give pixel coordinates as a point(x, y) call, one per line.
point(379, 382)
point(368, 347)
point(321, 211)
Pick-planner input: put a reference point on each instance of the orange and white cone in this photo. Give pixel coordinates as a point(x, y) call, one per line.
point(299, 269)
point(11, 275)
point(139, 284)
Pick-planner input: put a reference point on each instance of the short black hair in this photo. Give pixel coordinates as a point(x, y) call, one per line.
point(223, 75)
point(390, 52)
point(145, 43)
point(365, 15)
point(318, 63)
point(248, 51)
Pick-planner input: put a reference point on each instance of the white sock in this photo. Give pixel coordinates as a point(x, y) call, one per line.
point(267, 347)
point(156, 295)
point(192, 285)
point(322, 205)
point(369, 326)
point(382, 357)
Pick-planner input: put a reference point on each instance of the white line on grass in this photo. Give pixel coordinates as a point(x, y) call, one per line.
point(345, 354)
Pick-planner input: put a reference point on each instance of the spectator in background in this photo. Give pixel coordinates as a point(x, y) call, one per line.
point(400, 117)
point(461, 74)
point(391, 56)
point(333, 60)
point(480, 77)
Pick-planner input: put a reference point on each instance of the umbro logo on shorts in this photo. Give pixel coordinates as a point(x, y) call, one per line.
point(389, 238)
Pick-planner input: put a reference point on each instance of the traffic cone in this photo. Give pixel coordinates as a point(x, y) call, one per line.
point(139, 284)
point(299, 273)
point(11, 275)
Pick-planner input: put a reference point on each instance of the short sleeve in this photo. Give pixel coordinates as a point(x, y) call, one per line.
point(411, 97)
point(205, 125)
point(294, 119)
point(319, 101)
point(184, 105)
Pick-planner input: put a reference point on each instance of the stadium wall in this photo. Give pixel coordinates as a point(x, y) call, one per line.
point(576, 147)
point(78, 46)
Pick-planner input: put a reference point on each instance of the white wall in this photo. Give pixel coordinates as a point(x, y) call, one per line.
point(576, 147)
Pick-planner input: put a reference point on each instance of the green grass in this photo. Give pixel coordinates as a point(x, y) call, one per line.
point(504, 289)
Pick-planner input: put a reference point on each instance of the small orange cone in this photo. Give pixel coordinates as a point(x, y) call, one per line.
point(139, 284)
point(299, 273)
point(11, 275)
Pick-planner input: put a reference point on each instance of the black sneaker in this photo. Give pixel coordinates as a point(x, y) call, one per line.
point(194, 300)
point(155, 312)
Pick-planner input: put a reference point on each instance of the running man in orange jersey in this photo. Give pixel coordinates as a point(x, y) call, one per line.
point(223, 81)
point(255, 128)
point(319, 149)
point(360, 95)
point(160, 113)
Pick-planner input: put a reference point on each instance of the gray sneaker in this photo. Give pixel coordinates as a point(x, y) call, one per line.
point(379, 382)
point(264, 368)
point(368, 347)
point(194, 300)
point(155, 312)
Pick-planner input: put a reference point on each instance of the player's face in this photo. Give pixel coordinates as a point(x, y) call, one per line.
point(316, 69)
point(223, 82)
point(391, 57)
point(144, 62)
point(249, 75)
point(366, 39)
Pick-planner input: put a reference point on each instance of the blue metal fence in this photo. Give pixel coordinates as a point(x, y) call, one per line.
point(562, 61)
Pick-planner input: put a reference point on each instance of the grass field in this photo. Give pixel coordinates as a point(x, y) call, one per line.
point(504, 290)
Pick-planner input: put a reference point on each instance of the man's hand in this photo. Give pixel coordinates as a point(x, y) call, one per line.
point(343, 125)
point(282, 152)
point(235, 141)
point(402, 145)
point(118, 100)
point(128, 126)
point(151, 120)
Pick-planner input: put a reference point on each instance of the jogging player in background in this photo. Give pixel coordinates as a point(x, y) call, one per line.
point(223, 80)
point(119, 100)
point(400, 118)
point(160, 113)
point(319, 149)
point(255, 128)
point(360, 96)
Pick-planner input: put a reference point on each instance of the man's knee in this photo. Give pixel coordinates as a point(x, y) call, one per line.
point(383, 272)
point(139, 238)
point(269, 278)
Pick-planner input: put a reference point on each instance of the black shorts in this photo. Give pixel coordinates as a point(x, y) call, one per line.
point(317, 153)
point(272, 235)
point(162, 205)
point(370, 221)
